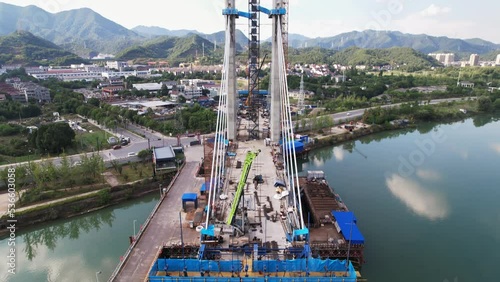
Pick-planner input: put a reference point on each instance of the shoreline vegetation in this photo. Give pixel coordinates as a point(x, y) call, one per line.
point(373, 121)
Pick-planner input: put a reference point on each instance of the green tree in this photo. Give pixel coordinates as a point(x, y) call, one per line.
point(484, 104)
point(144, 154)
point(52, 138)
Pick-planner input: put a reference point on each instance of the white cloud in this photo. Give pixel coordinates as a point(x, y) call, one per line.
point(428, 174)
point(318, 162)
point(418, 24)
point(496, 147)
point(318, 28)
point(434, 10)
point(420, 200)
point(339, 154)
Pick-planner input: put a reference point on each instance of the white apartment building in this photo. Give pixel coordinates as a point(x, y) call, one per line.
point(190, 92)
point(474, 60)
point(116, 64)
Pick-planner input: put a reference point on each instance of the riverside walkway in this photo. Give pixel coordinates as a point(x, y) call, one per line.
point(162, 225)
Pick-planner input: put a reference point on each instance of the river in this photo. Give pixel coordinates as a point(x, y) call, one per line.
point(77, 249)
point(426, 201)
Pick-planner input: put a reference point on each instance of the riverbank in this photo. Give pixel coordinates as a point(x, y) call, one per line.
point(82, 204)
point(340, 134)
point(392, 119)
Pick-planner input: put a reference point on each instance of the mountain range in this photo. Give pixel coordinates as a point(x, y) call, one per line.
point(22, 47)
point(387, 39)
point(86, 33)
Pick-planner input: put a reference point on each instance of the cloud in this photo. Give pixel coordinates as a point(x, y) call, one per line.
point(428, 174)
point(339, 154)
point(318, 162)
point(495, 147)
point(434, 10)
point(420, 200)
point(418, 24)
point(319, 27)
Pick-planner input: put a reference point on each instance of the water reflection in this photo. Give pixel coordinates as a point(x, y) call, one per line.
point(385, 135)
point(423, 202)
point(339, 154)
point(427, 174)
point(50, 235)
point(495, 147)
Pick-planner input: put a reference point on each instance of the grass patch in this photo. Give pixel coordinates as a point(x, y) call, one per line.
point(28, 210)
point(95, 140)
point(133, 171)
point(12, 151)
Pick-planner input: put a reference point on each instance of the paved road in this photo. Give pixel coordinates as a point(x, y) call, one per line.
point(136, 145)
point(355, 114)
point(163, 226)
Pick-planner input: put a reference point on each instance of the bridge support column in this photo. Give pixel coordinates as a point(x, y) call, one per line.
point(275, 121)
point(232, 100)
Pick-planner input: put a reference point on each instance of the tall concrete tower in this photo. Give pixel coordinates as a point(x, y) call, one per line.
point(232, 101)
point(275, 77)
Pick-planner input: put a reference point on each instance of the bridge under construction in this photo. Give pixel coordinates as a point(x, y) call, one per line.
point(244, 213)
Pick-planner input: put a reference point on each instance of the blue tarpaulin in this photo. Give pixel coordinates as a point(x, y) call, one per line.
point(174, 265)
point(347, 224)
point(189, 197)
point(327, 266)
point(299, 146)
point(311, 264)
point(206, 186)
point(220, 139)
point(208, 231)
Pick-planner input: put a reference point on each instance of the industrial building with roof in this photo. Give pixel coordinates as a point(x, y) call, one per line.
point(164, 158)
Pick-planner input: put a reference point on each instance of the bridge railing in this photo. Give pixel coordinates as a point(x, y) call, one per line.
point(144, 226)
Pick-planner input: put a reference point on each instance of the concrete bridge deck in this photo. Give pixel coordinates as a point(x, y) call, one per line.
point(163, 223)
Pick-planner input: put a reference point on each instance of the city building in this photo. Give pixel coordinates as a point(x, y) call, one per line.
point(126, 74)
point(190, 92)
point(449, 59)
point(67, 75)
point(474, 60)
point(497, 62)
point(33, 91)
point(164, 158)
point(440, 57)
point(446, 59)
point(151, 87)
point(118, 65)
point(8, 89)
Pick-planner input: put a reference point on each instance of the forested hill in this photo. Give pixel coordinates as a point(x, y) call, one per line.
point(22, 47)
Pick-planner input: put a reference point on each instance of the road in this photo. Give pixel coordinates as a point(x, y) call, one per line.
point(355, 114)
point(137, 144)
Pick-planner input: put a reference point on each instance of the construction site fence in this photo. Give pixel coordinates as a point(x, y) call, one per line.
point(251, 279)
point(194, 265)
point(305, 264)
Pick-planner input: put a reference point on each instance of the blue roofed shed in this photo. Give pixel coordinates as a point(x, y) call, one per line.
point(346, 222)
point(189, 197)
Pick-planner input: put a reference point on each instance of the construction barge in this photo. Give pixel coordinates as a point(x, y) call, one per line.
point(252, 233)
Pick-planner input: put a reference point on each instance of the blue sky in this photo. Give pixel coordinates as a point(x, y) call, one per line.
point(313, 18)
